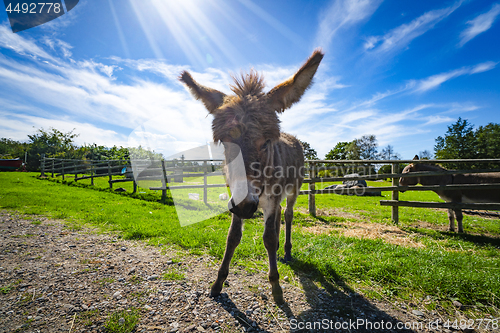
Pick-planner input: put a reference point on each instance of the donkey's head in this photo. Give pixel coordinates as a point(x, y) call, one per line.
point(412, 167)
point(247, 123)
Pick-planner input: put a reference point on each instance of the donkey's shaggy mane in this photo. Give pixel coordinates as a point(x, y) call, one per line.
point(248, 84)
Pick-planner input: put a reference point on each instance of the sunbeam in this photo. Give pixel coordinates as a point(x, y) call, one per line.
point(119, 29)
point(137, 6)
point(194, 30)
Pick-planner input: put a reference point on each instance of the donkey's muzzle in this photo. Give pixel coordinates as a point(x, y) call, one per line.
point(244, 209)
point(402, 183)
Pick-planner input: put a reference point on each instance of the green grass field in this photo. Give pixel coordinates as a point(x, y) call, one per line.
point(351, 244)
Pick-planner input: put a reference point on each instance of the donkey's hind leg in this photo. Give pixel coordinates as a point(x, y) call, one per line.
point(451, 218)
point(290, 202)
point(459, 216)
point(233, 239)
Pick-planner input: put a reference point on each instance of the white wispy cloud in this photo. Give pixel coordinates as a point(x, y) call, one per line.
point(58, 45)
point(382, 95)
point(479, 24)
point(18, 126)
point(435, 81)
point(483, 67)
point(105, 69)
point(342, 14)
point(438, 119)
point(21, 45)
point(400, 37)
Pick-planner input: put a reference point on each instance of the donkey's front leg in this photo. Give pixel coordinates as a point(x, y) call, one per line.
point(233, 239)
point(271, 241)
point(290, 201)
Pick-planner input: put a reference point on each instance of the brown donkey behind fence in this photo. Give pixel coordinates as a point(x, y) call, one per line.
point(247, 123)
point(458, 196)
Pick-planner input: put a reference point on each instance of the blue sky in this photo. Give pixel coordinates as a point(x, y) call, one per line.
point(402, 70)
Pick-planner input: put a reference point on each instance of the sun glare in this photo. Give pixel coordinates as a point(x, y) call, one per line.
point(194, 26)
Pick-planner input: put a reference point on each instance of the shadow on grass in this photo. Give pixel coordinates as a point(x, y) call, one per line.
point(150, 197)
point(479, 240)
point(335, 303)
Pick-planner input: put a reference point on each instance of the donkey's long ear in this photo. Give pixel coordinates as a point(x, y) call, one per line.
point(289, 92)
point(210, 97)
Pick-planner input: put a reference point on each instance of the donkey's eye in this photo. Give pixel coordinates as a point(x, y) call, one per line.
point(265, 145)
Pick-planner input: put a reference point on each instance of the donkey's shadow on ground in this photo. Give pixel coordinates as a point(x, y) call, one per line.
point(476, 239)
point(480, 240)
point(333, 306)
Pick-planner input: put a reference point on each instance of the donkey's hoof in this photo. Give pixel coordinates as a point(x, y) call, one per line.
point(215, 291)
point(214, 294)
point(278, 294)
point(461, 231)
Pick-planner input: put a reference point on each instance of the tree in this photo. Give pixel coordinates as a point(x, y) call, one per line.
point(51, 143)
point(368, 147)
point(353, 150)
point(425, 155)
point(459, 142)
point(339, 152)
point(12, 149)
point(488, 142)
point(363, 148)
point(388, 153)
point(141, 153)
point(309, 152)
point(95, 152)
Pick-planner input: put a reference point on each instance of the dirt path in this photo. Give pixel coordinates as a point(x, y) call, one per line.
point(53, 279)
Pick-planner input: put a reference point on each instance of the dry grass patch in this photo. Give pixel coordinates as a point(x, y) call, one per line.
point(361, 230)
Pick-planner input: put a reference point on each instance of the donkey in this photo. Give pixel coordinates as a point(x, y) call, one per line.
point(247, 123)
point(458, 196)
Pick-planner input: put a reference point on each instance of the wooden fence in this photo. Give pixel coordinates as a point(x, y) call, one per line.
point(164, 171)
point(316, 166)
point(175, 171)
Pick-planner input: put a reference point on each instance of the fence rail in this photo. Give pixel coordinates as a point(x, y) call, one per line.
point(153, 171)
point(167, 172)
point(316, 166)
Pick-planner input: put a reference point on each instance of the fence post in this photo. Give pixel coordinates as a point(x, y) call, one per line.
point(52, 168)
point(164, 181)
point(312, 187)
point(76, 171)
point(395, 194)
point(205, 189)
point(92, 172)
point(62, 168)
point(43, 165)
point(110, 177)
